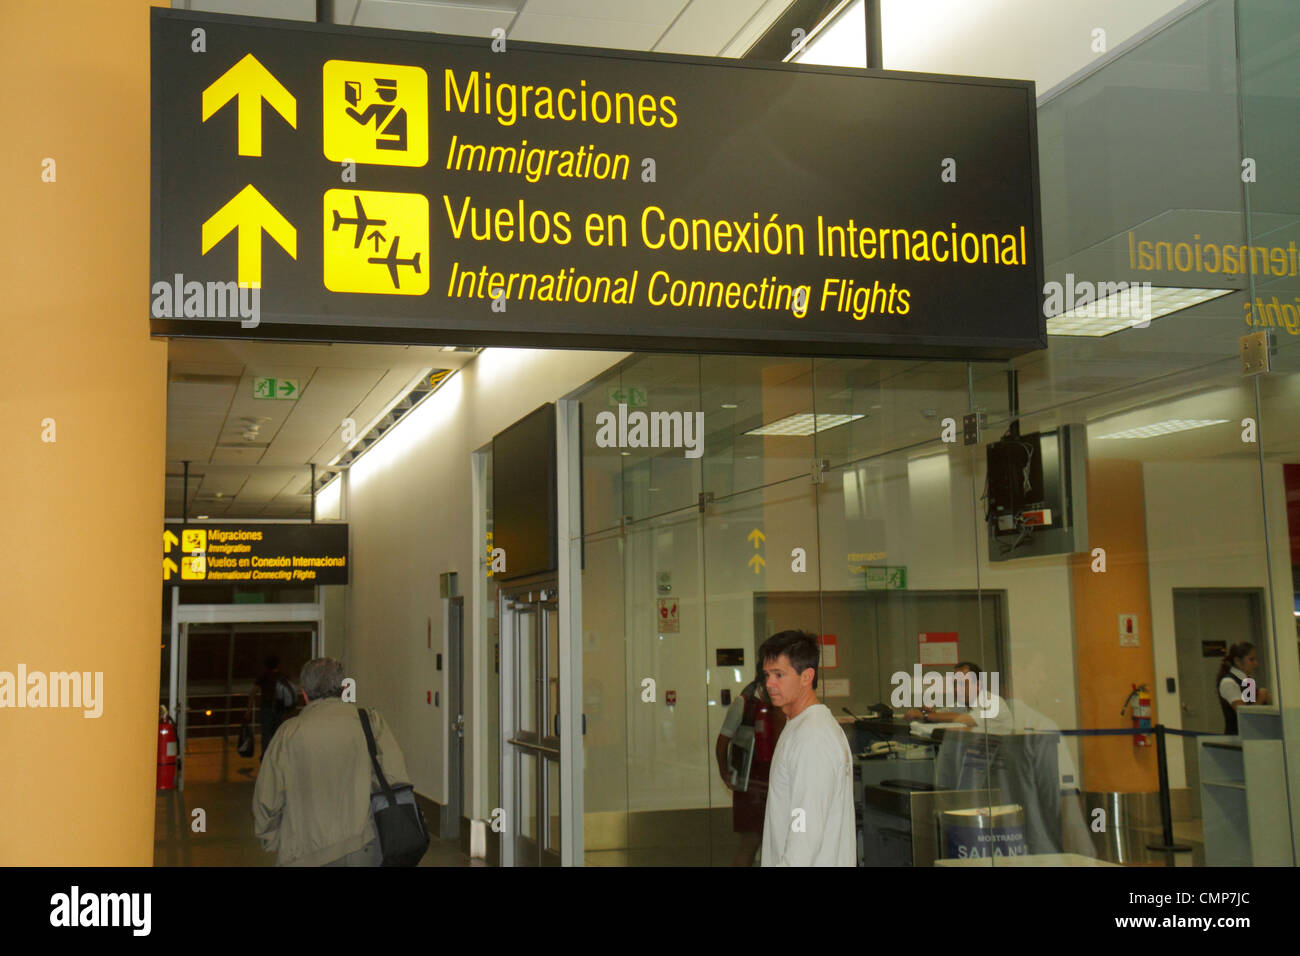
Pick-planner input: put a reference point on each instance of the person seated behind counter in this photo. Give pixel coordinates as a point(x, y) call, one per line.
point(1239, 663)
point(969, 716)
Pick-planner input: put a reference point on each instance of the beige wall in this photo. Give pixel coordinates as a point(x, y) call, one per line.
point(409, 506)
point(1223, 547)
point(79, 564)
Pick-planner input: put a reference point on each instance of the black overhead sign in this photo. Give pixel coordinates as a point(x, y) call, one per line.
point(376, 186)
point(306, 554)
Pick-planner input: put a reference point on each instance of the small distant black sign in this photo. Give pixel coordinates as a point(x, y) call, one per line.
point(1214, 648)
point(310, 554)
point(731, 657)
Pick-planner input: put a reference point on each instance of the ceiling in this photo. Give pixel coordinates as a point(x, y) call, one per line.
point(701, 27)
point(250, 456)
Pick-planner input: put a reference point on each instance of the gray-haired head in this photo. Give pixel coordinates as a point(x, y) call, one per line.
point(321, 678)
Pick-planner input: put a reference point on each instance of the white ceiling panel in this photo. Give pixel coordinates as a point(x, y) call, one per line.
point(245, 455)
point(277, 9)
point(643, 11)
point(266, 483)
point(610, 34)
point(454, 18)
point(221, 482)
point(706, 28)
point(206, 398)
point(318, 415)
point(264, 415)
point(747, 33)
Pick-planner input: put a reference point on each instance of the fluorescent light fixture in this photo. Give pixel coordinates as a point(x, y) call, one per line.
point(201, 518)
point(804, 423)
point(417, 384)
point(1128, 308)
point(449, 348)
point(729, 405)
point(1167, 427)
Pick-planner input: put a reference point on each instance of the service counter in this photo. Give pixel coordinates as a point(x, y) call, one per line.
point(910, 786)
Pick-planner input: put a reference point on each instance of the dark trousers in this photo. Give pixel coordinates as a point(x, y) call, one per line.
point(270, 722)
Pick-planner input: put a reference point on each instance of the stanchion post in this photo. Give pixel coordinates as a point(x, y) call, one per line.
point(1166, 812)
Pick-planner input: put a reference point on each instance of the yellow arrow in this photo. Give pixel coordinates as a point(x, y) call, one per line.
point(756, 536)
point(170, 540)
point(250, 213)
point(169, 568)
point(251, 83)
point(756, 562)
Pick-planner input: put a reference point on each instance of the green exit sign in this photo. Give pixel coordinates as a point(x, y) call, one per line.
point(282, 388)
point(886, 578)
point(632, 395)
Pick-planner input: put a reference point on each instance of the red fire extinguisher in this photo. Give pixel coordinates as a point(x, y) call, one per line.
point(1140, 712)
point(166, 751)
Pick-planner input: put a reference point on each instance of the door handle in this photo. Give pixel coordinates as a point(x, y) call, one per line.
point(557, 725)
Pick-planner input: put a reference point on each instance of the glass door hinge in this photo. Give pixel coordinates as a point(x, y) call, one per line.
point(1257, 351)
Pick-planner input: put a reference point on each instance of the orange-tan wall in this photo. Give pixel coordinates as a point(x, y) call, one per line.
point(80, 517)
point(1107, 671)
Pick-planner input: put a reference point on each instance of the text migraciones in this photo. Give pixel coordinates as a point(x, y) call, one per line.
point(508, 103)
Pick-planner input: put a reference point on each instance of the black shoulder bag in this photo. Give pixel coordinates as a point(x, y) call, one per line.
point(403, 835)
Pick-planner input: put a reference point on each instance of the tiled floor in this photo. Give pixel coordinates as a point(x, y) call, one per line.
point(220, 783)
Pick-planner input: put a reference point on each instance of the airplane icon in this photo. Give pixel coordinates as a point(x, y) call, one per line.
point(393, 262)
point(362, 222)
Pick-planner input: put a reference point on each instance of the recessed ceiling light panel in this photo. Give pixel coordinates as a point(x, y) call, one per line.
point(1167, 427)
point(1130, 308)
point(804, 423)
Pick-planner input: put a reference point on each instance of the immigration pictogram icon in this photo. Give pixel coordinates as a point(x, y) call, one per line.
point(194, 564)
point(375, 113)
point(376, 242)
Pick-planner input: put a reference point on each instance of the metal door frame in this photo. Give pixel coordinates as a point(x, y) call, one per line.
point(540, 591)
point(567, 582)
point(456, 711)
point(183, 615)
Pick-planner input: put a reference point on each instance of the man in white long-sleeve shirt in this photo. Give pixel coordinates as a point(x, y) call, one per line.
point(809, 819)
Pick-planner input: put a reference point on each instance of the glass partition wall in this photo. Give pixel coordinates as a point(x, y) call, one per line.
point(851, 498)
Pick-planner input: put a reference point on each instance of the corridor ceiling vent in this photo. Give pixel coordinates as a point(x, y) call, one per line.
point(1131, 307)
point(1167, 427)
point(425, 385)
point(804, 423)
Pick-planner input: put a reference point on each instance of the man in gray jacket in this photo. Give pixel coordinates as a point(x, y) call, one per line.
point(311, 802)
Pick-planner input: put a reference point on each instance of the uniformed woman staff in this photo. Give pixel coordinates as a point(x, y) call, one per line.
point(1239, 663)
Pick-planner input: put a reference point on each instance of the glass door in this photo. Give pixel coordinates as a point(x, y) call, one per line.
point(531, 710)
